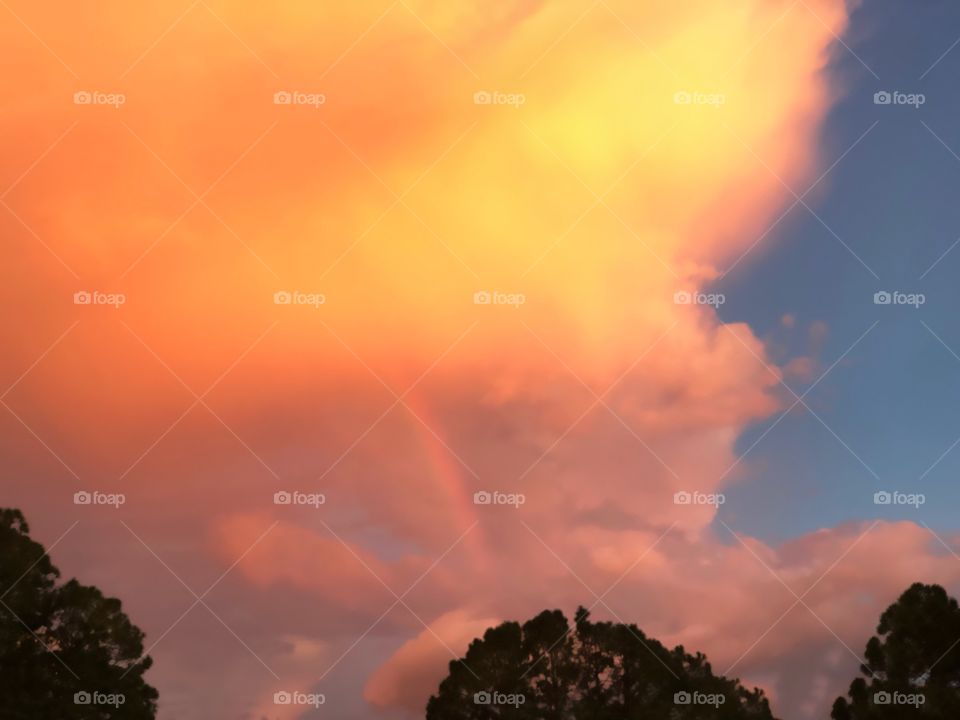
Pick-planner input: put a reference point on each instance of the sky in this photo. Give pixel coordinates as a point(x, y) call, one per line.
point(392, 260)
point(892, 400)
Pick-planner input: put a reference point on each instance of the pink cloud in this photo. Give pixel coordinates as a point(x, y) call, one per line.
point(598, 398)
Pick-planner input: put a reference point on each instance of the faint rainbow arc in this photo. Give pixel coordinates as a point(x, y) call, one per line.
point(449, 476)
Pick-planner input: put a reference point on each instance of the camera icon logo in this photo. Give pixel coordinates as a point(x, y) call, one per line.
point(882, 498)
point(482, 698)
point(282, 98)
point(682, 698)
point(882, 298)
point(282, 697)
point(881, 698)
point(82, 97)
point(482, 97)
point(82, 297)
point(282, 498)
point(682, 98)
point(882, 98)
point(282, 297)
point(682, 498)
point(82, 498)
point(482, 297)
point(82, 698)
point(482, 497)
point(682, 297)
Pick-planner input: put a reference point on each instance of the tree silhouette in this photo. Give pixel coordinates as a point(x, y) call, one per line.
point(913, 667)
point(548, 670)
point(66, 651)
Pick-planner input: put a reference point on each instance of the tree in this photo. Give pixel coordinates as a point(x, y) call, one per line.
point(66, 651)
point(912, 664)
point(548, 670)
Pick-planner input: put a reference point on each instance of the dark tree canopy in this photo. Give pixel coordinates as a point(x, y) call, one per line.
point(66, 651)
point(913, 663)
point(547, 670)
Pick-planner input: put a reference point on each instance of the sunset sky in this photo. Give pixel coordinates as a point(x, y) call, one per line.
point(591, 254)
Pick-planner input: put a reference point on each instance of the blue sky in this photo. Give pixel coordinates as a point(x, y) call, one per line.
point(893, 403)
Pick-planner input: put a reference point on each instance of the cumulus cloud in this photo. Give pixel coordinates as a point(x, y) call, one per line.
point(635, 154)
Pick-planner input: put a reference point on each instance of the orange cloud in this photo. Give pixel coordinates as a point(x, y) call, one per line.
point(499, 276)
